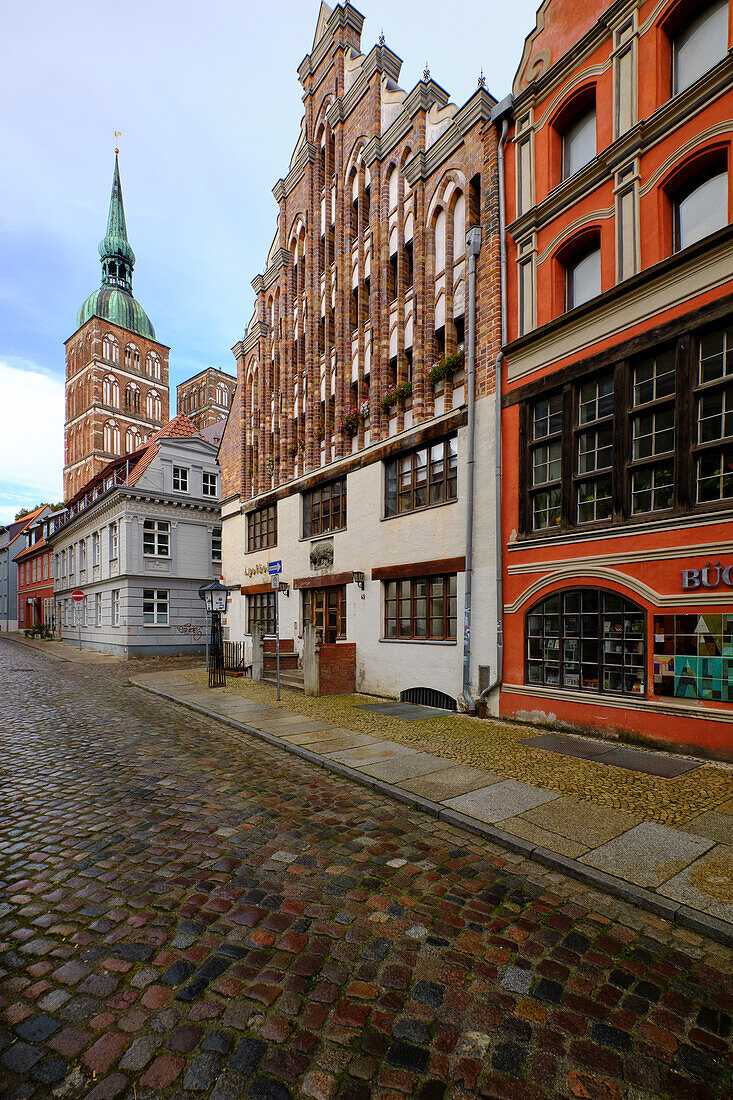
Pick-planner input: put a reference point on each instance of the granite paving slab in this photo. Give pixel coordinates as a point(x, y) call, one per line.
point(499, 801)
point(290, 728)
point(520, 826)
point(706, 884)
point(411, 712)
point(713, 825)
point(406, 767)
point(340, 744)
point(448, 782)
point(370, 754)
point(648, 855)
point(581, 821)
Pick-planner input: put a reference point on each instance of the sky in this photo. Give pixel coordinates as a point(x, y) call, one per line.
point(208, 103)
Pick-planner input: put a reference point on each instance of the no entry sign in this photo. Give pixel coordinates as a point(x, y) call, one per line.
point(77, 595)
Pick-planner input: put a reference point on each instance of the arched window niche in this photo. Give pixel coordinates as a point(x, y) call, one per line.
point(586, 639)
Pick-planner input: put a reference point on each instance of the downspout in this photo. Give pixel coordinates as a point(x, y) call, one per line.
point(497, 427)
point(473, 247)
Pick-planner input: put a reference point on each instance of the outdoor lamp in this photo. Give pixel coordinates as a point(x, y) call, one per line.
point(215, 596)
point(359, 579)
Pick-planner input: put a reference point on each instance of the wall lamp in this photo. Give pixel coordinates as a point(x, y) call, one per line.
point(284, 588)
point(359, 579)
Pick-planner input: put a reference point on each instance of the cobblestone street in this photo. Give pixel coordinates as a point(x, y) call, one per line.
point(188, 912)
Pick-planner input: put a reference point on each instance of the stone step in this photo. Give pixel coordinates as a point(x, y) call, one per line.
point(292, 678)
point(287, 660)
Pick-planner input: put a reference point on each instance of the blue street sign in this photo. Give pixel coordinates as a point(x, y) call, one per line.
point(275, 567)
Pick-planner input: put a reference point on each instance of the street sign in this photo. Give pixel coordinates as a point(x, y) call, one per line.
point(275, 581)
point(274, 567)
point(77, 595)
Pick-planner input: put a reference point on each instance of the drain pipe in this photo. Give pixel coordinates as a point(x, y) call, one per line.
point(473, 247)
point(497, 427)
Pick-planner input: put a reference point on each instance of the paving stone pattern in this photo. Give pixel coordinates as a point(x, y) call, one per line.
point(187, 912)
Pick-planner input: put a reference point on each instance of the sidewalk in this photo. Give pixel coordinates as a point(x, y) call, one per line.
point(65, 650)
point(662, 840)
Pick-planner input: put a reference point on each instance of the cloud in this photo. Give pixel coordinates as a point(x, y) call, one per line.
point(32, 439)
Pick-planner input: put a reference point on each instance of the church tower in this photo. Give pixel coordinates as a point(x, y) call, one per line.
point(116, 371)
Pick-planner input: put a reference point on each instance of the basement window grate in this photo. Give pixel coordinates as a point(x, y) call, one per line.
point(428, 697)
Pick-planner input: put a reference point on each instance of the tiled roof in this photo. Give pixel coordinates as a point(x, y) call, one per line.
point(179, 427)
point(26, 522)
point(31, 550)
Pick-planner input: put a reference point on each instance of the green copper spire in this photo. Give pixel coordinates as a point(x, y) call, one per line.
point(114, 300)
point(118, 259)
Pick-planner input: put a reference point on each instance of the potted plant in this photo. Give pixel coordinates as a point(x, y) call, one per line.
point(364, 409)
point(446, 367)
point(350, 422)
point(293, 449)
point(395, 395)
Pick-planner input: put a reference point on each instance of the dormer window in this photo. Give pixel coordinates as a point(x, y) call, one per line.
point(579, 140)
point(699, 44)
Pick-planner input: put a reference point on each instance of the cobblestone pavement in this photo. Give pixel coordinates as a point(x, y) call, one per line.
point(188, 913)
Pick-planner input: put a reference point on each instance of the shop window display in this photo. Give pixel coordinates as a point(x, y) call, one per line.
point(693, 656)
point(586, 640)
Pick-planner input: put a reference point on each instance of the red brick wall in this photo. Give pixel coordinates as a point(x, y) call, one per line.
point(337, 669)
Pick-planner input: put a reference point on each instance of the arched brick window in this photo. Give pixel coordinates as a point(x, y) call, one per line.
point(132, 357)
point(111, 392)
point(110, 348)
point(112, 437)
point(153, 405)
point(152, 365)
point(132, 398)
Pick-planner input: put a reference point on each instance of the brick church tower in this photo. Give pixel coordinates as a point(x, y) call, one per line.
point(116, 371)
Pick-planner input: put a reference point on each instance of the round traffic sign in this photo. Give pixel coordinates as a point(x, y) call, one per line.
point(77, 595)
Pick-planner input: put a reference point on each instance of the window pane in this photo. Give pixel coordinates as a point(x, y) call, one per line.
point(579, 143)
point(700, 45)
point(584, 279)
point(703, 211)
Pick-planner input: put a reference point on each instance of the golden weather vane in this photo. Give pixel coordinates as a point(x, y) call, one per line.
point(118, 133)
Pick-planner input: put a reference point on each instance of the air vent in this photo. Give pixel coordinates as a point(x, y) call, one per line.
point(428, 697)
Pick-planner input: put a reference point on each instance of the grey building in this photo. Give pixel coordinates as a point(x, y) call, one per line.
point(11, 543)
point(140, 539)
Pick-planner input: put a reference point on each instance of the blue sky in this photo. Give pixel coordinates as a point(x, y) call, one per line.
point(209, 105)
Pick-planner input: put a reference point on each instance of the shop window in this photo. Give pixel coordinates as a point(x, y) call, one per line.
point(594, 449)
point(583, 275)
point(693, 656)
point(714, 416)
point(653, 424)
point(262, 528)
point(324, 509)
point(699, 44)
point(701, 207)
point(579, 138)
point(420, 608)
point(546, 462)
point(261, 612)
point(586, 640)
point(422, 478)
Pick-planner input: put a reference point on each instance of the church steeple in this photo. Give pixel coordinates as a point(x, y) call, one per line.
point(118, 259)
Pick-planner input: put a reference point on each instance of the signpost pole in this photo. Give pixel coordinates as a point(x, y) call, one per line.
point(274, 568)
point(78, 618)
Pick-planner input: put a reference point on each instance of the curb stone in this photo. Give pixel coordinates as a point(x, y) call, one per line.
point(676, 913)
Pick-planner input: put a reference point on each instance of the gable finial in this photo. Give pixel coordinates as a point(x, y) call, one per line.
point(482, 80)
point(381, 37)
point(426, 73)
point(118, 133)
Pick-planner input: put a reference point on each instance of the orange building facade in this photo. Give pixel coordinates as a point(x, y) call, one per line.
point(617, 419)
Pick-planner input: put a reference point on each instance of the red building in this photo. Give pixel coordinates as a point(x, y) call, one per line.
point(617, 419)
point(35, 575)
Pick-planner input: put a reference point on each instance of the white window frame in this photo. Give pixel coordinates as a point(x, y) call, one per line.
point(114, 538)
point(96, 549)
point(97, 608)
point(115, 607)
point(158, 597)
point(207, 479)
point(216, 546)
point(160, 529)
point(182, 481)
